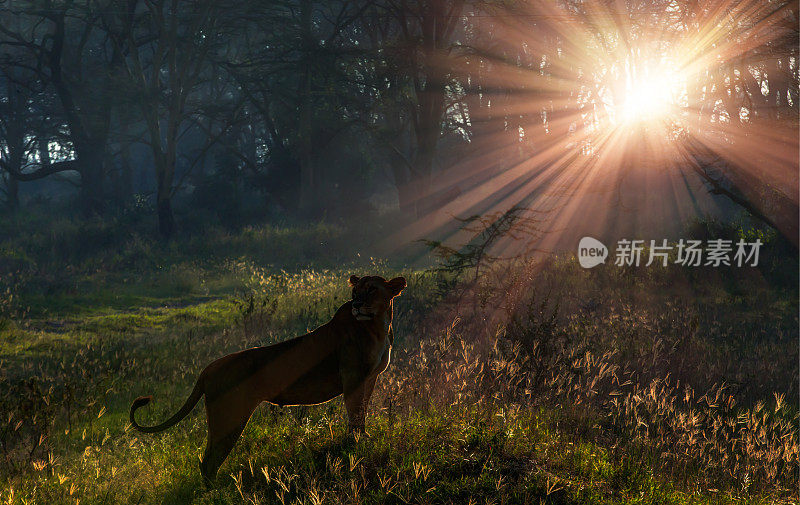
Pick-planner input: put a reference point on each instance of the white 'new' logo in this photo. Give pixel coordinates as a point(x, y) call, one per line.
point(591, 252)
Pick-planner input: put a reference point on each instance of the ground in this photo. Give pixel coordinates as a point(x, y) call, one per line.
point(599, 387)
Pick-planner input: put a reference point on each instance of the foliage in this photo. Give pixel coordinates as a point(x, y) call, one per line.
point(463, 269)
point(298, 97)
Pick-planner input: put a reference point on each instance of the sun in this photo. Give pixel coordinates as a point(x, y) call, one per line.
point(650, 99)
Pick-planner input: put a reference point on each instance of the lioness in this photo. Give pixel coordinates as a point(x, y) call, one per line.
point(345, 355)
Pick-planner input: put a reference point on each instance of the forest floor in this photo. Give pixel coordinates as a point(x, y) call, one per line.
point(605, 386)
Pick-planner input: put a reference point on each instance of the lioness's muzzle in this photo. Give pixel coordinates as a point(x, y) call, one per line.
point(361, 314)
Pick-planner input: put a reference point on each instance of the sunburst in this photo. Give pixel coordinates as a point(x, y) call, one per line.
point(620, 87)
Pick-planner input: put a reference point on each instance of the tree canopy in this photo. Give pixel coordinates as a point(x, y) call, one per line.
point(454, 106)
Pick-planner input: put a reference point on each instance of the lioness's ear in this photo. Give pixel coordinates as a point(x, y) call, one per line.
point(353, 280)
point(396, 285)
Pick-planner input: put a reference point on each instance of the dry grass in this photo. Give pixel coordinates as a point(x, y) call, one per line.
point(547, 397)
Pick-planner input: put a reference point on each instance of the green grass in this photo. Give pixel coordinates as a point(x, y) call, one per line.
point(547, 411)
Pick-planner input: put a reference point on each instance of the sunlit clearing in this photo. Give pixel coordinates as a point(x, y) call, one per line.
point(650, 99)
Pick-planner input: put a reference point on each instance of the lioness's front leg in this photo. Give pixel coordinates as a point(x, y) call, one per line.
point(357, 394)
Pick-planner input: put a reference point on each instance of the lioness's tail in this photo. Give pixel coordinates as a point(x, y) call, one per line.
point(187, 407)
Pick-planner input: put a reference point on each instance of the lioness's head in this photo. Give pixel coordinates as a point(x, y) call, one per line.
point(372, 295)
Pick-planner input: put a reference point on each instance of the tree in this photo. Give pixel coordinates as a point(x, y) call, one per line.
point(166, 44)
point(305, 74)
point(744, 138)
point(64, 46)
point(25, 131)
point(425, 40)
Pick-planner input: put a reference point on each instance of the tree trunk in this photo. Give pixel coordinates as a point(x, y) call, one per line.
point(122, 183)
point(90, 163)
point(13, 164)
point(421, 179)
point(405, 194)
point(44, 151)
point(166, 220)
point(307, 179)
point(15, 144)
point(165, 166)
point(12, 193)
point(88, 129)
point(428, 130)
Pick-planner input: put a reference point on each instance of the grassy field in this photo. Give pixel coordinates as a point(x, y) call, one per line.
point(601, 386)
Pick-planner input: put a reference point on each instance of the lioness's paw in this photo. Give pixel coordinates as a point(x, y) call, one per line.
point(357, 433)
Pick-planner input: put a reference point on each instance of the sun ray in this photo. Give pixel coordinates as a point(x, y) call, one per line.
point(619, 95)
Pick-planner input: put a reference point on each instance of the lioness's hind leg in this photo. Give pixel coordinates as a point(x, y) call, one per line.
point(225, 426)
point(216, 452)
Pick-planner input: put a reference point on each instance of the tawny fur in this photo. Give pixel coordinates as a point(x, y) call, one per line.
point(343, 356)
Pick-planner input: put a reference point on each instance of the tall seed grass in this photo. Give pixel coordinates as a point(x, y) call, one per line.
point(587, 387)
